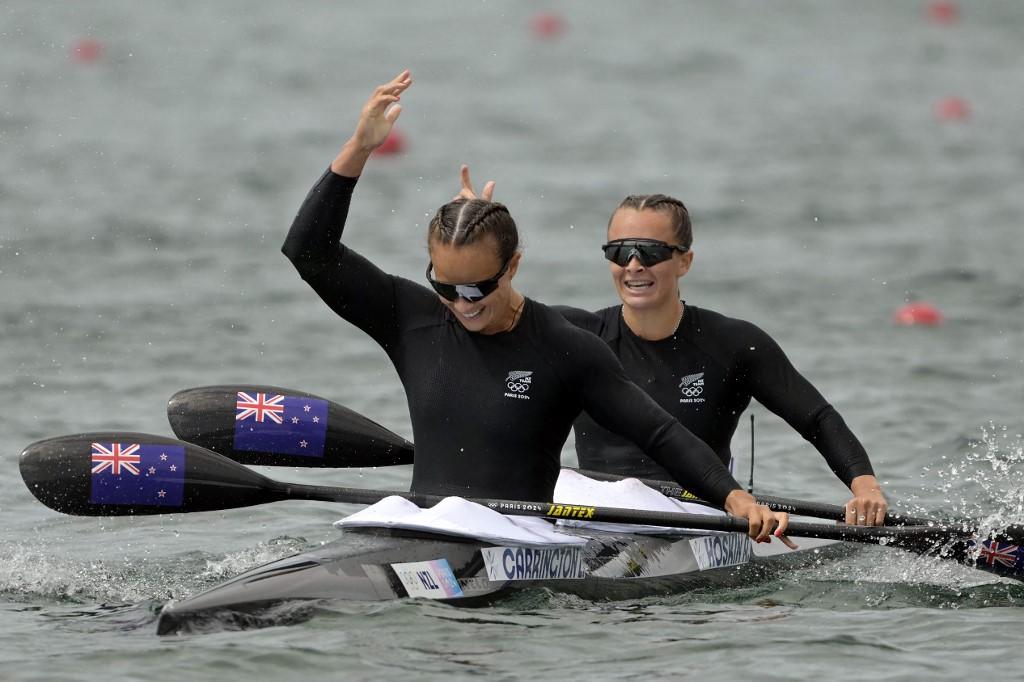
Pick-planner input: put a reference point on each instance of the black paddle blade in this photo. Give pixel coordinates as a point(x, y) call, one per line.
point(282, 427)
point(120, 474)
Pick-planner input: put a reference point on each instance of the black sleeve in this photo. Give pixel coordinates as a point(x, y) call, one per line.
point(620, 406)
point(775, 383)
point(352, 286)
point(584, 319)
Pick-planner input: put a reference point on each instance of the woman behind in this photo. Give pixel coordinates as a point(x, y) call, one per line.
point(698, 365)
point(493, 380)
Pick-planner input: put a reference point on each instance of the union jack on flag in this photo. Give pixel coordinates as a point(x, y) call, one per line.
point(259, 406)
point(155, 474)
point(992, 552)
point(294, 425)
point(115, 457)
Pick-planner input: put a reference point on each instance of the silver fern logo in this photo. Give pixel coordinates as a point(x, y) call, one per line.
point(518, 383)
point(691, 386)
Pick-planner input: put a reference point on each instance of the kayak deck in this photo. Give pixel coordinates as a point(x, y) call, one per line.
point(378, 564)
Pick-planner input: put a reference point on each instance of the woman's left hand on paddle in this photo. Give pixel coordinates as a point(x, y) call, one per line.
point(868, 505)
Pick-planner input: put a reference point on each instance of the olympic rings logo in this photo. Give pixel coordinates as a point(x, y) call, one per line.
point(692, 391)
point(518, 387)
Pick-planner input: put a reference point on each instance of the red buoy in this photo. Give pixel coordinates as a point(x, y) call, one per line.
point(393, 144)
point(918, 313)
point(952, 109)
point(86, 51)
point(943, 12)
point(547, 25)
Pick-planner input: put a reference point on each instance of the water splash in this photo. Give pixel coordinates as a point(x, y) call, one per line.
point(892, 578)
point(35, 569)
point(997, 469)
point(232, 564)
point(32, 570)
point(986, 487)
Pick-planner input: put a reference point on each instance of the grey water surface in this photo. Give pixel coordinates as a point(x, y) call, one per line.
point(144, 196)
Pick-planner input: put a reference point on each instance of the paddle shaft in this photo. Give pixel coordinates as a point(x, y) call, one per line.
point(905, 536)
point(819, 510)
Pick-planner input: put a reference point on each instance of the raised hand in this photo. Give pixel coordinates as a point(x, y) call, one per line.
point(378, 114)
point(375, 122)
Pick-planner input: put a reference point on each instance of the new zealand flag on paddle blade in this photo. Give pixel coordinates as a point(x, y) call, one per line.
point(281, 424)
point(136, 473)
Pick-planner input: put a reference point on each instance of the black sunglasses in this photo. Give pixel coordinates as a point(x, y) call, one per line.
point(649, 251)
point(474, 292)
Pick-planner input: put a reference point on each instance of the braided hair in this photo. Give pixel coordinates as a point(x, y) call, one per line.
point(670, 206)
point(467, 221)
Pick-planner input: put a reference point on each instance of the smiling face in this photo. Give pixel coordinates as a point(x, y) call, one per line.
point(640, 287)
point(471, 263)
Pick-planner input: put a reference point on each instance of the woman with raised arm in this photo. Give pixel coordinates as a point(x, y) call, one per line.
point(699, 365)
point(493, 380)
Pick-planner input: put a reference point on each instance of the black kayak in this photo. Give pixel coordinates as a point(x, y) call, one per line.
point(380, 564)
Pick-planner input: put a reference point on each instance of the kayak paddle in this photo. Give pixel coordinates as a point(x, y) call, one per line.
point(120, 474)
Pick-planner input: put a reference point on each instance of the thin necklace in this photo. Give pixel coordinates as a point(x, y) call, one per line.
point(515, 314)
